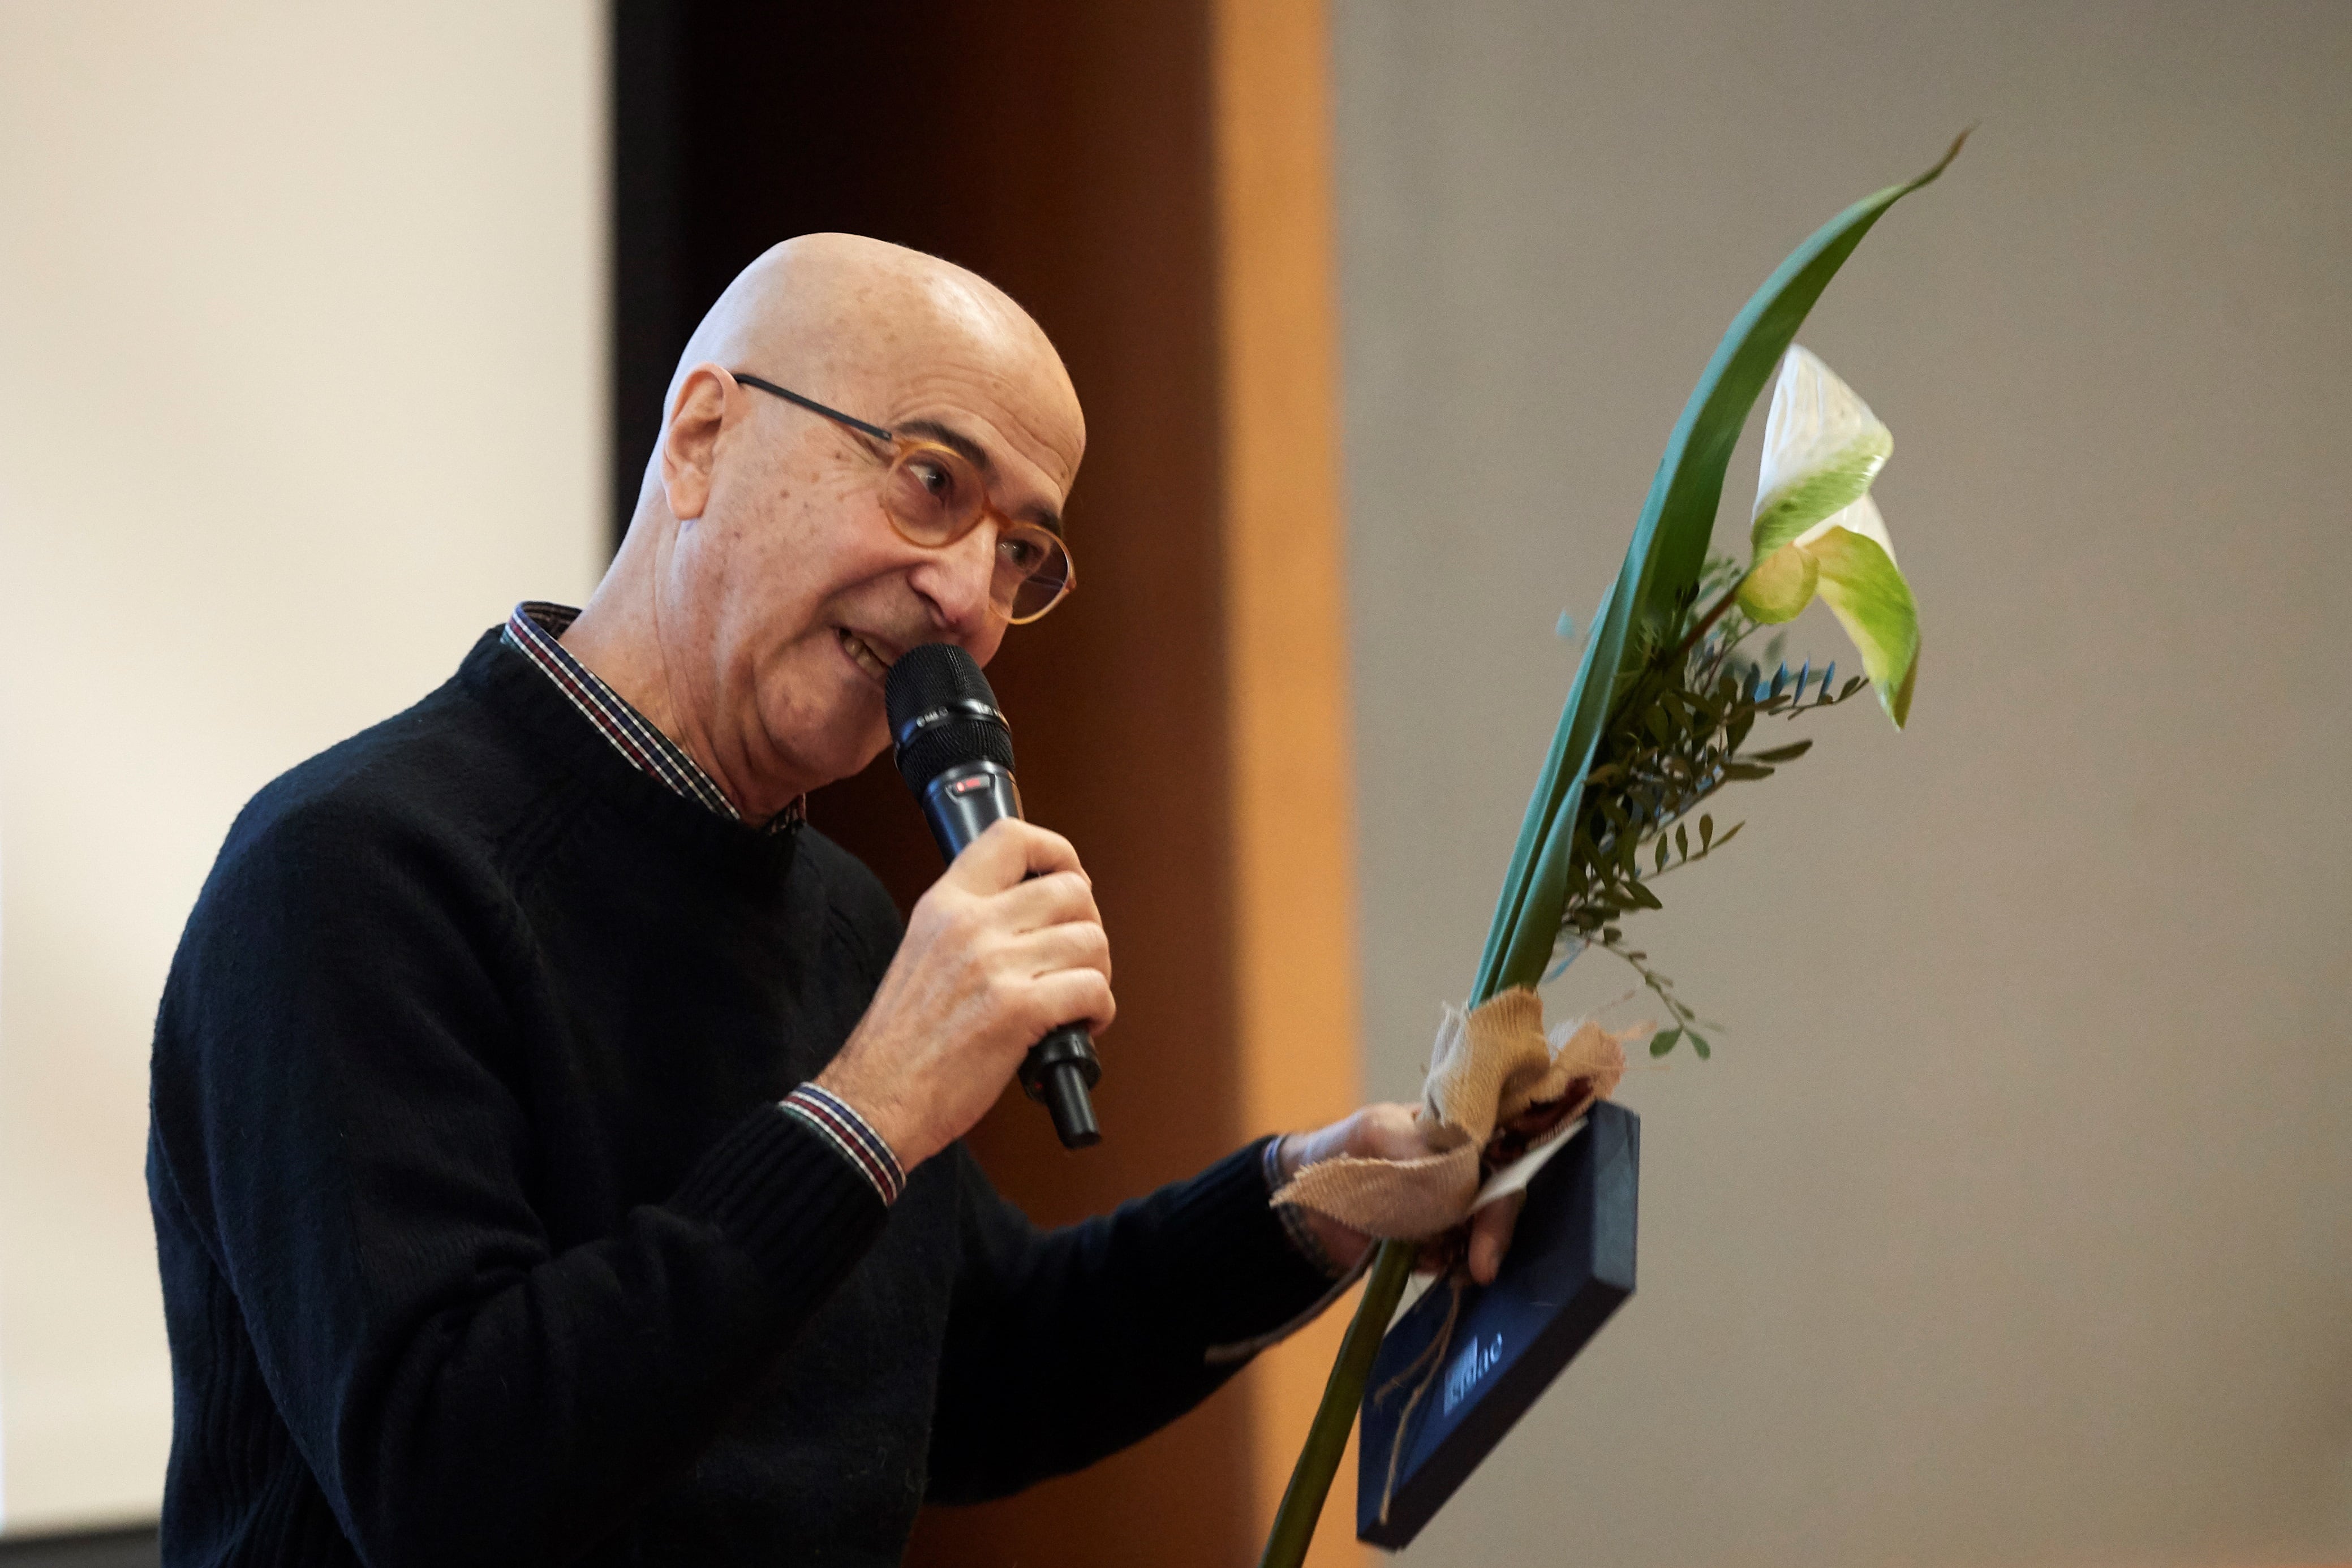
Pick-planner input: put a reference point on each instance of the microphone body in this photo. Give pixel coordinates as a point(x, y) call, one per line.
point(955, 752)
point(961, 803)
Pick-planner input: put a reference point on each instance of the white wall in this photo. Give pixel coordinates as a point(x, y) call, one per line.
point(2013, 1222)
point(301, 384)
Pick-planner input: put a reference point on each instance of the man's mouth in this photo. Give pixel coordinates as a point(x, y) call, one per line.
point(863, 656)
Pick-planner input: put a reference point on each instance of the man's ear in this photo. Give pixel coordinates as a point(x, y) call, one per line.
point(689, 443)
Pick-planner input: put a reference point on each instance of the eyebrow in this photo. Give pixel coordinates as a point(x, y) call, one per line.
point(973, 453)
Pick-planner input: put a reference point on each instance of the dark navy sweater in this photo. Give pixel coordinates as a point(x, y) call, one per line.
point(484, 1239)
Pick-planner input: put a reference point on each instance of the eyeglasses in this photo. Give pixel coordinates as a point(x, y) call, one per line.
point(934, 496)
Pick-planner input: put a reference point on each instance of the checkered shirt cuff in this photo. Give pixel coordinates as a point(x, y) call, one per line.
point(846, 1131)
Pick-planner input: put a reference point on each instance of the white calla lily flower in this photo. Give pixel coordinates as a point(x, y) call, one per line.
point(1822, 446)
point(1817, 531)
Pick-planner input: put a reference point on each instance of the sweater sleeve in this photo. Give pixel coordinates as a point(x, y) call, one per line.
point(1064, 1346)
point(332, 1111)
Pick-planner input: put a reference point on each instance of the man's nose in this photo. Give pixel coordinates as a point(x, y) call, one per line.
point(957, 579)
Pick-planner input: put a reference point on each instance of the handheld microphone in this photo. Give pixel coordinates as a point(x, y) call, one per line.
point(955, 752)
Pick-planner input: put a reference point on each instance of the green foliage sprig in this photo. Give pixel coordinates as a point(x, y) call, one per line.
point(1675, 739)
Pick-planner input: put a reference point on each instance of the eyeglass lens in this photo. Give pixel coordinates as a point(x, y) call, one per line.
point(934, 498)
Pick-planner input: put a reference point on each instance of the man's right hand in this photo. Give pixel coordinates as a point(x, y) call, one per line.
point(1007, 945)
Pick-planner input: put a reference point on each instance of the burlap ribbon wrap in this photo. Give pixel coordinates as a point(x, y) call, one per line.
point(1498, 1086)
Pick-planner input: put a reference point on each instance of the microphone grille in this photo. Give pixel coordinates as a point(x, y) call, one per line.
point(935, 677)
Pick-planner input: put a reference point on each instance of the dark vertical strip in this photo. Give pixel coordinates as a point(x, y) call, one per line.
point(650, 312)
point(1060, 148)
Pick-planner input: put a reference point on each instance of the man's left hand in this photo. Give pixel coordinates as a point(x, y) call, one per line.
point(1390, 1131)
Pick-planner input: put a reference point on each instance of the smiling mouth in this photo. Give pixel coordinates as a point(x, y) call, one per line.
point(864, 657)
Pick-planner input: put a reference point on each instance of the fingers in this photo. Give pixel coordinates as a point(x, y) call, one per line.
point(1490, 1236)
point(1078, 944)
point(1068, 968)
point(1056, 898)
point(962, 915)
point(1008, 854)
point(1073, 995)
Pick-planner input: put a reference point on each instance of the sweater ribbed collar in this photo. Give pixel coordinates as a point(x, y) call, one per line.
point(534, 629)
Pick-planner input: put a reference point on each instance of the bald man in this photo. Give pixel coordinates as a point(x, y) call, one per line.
point(555, 1141)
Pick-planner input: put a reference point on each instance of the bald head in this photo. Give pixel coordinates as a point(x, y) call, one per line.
point(762, 590)
point(826, 311)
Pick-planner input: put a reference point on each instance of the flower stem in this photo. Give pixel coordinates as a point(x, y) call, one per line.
point(1638, 692)
point(1690, 640)
point(1327, 1439)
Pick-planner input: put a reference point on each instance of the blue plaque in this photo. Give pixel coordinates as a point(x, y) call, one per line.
point(1570, 1263)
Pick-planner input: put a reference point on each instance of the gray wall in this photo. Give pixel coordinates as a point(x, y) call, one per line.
point(2012, 1222)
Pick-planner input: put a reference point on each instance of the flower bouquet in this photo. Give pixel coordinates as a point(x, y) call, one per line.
point(1659, 721)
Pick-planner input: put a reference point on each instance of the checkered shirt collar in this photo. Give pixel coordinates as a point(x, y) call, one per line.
point(532, 629)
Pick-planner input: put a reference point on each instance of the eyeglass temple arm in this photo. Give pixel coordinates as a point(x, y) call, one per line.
point(813, 406)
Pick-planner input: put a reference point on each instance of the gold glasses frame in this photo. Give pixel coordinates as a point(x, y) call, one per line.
point(933, 495)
